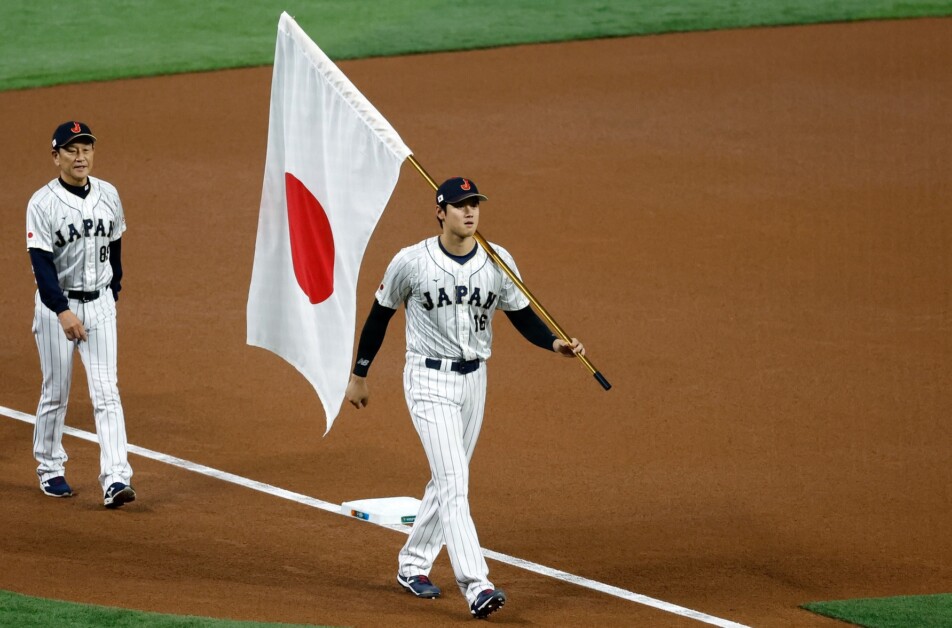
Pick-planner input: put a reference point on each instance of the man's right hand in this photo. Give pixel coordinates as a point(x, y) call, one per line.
point(72, 326)
point(357, 392)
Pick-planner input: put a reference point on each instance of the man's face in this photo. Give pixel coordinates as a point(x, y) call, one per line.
point(461, 219)
point(75, 161)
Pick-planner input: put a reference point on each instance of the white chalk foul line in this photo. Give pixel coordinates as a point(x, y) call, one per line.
point(556, 574)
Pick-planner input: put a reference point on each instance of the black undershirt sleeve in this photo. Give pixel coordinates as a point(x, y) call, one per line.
point(528, 323)
point(47, 282)
point(371, 337)
point(115, 260)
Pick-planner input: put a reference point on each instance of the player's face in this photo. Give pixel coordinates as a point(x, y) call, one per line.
point(462, 219)
point(75, 161)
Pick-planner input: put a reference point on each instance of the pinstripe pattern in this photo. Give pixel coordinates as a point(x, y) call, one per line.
point(449, 316)
point(77, 231)
point(449, 332)
point(447, 412)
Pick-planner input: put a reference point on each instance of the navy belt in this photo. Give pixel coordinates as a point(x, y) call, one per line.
point(84, 297)
point(463, 367)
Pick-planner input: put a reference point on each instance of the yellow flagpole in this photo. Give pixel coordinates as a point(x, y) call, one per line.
point(522, 287)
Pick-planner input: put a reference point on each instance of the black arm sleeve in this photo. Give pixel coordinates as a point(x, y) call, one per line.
point(371, 338)
point(531, 327)
point(46, 281)
point(115, 260)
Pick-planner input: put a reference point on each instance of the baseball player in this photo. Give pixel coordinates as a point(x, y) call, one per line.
point(74, 226)
point(451, 289)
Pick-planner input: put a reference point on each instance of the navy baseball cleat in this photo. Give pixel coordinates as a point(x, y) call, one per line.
point(419, 586)
point(487, 603)
point(118, 494)
point(56, 487)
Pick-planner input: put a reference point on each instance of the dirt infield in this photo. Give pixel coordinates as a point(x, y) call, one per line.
point(750, 230)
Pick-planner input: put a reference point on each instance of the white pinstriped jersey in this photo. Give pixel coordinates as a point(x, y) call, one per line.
point(449, 306)
point(76, 231)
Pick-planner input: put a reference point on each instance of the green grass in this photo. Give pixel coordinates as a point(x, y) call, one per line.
point(43, 42)
point(32, 612)
point(921, 611)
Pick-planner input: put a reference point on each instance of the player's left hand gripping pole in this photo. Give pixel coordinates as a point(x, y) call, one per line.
point(522, 287)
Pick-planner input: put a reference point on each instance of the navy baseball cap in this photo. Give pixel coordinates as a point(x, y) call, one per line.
point(69, 132)
point(457, 189)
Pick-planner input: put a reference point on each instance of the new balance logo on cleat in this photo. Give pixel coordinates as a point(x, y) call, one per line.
point(419, 586)
point(56, 487)
point(487, 603)
point(118, 494)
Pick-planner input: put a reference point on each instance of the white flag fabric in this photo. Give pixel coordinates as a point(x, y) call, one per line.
point(332, 164)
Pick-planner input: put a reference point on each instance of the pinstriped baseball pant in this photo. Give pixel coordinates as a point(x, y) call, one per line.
point(99, 356)
point(447, 412)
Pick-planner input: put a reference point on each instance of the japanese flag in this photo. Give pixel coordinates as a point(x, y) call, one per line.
point(332, 164)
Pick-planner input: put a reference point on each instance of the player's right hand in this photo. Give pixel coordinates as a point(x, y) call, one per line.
point(72, 326)
point(357, 393)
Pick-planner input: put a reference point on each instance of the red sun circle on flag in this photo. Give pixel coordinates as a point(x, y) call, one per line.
point(312, 241)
